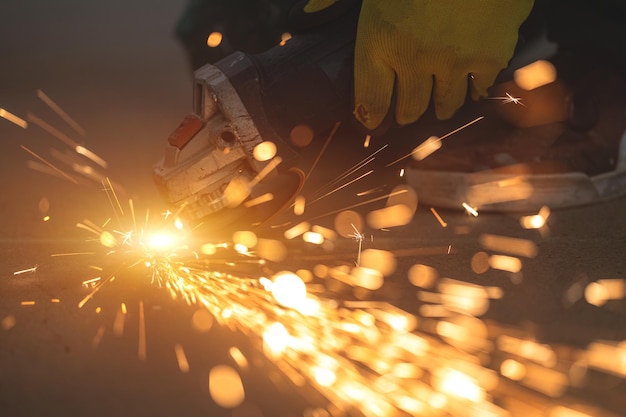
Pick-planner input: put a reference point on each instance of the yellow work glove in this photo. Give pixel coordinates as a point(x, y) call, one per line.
point(428, 46)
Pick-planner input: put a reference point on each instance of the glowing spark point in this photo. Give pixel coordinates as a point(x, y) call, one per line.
point(46, 218)
point(325, 377)
point(13, 118)
point(127, 237)
point(438, 217)
point(60, 112)
point(91, 282)
point(284, 38)
point(240, 248)
point(49, 165)
point(181, 358)
point(27, 303)
point(27, 270)
point(275, 340)
point(214, 39)
point(264, 151)
point(81, 150)
point(108, 240)
point(288, 289)
point(118, 323)
point(358, 237)
point(366, 144)
point(459, 385)
point(55, 300)
point(98, 337)
point(238, 357)
point(225, 386)
point(259, 200)
point(508, 98)
point(440, 139)
point(161, 241)
point(8, 323)
point(141, 348)
point(471, 210)
point(402, 172)
point(299, 204)
point(166, 214)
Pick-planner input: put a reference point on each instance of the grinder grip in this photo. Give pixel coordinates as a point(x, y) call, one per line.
point(308, 80)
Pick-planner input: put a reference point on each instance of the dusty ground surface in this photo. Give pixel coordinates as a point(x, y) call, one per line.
point(116, 69)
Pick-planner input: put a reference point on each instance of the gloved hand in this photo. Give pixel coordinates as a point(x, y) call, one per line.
point(428, 47)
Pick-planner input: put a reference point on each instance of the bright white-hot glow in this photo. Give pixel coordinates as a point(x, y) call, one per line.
point(536, 221)
point(275, 340)
point(532, 222)
point(458, 384)
point(324, 376)
point(314, 238)
point(225, 386)
point(288, 289)
point(161, 241)
point(264, 151)
point(178, 224)
point(471, 210)
point(240, 248)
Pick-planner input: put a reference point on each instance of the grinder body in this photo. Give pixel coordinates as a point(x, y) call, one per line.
point(243, 100)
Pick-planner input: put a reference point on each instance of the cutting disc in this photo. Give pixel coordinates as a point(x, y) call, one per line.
point(268, 198)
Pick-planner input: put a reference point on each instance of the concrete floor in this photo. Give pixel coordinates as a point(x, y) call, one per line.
point(116, 68)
